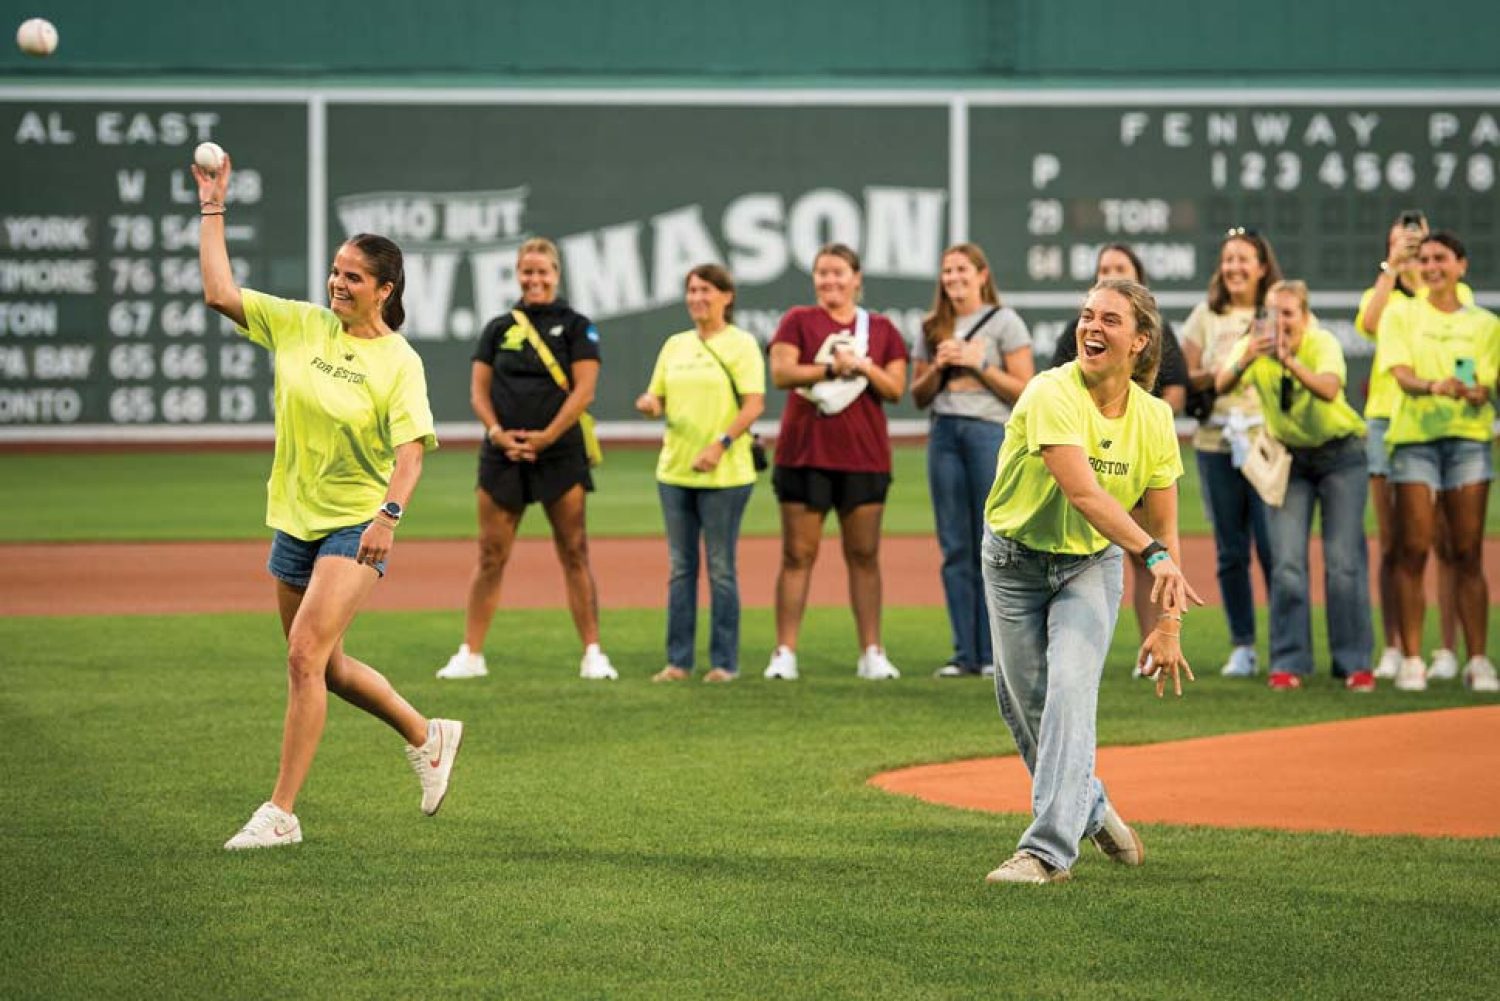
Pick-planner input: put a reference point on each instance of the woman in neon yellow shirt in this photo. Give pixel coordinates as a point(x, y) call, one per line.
point(710, 383)
point(1445, 356)
point(1086, 443)
point(352, 423)
point(1298, 372)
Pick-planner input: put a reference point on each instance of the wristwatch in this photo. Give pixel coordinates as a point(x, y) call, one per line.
point(726, 439)
point(391, 510)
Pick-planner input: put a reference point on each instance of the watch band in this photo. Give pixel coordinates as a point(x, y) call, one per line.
point(726, 439)
point(1153, 549)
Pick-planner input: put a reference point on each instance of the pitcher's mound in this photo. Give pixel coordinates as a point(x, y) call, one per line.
point(1433, 774)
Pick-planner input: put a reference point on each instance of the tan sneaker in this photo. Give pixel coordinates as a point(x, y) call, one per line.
point(1024, 867)
point(670, 673)
point(719, 676)
point(1119, 841)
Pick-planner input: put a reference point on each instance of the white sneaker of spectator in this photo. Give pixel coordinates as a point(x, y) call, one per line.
point(1389, 664)
point(1479, 675)
point(875, 666)
point(464, 665)
point(1444, 666)
point(1243, 663)
point(1412, 676)
point(595, 666)
point(783, 665)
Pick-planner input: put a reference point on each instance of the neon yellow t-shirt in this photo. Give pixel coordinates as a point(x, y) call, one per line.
point(1431, 343)
point(343, 404)
point(1311, 422)
point(1130, 454)
point(1384, 393)
point(700, 404)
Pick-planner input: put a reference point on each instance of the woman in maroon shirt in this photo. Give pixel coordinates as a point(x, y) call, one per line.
point(833, 453)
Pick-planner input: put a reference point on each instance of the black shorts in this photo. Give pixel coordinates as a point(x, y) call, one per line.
point(822, 489)
point(513, 485)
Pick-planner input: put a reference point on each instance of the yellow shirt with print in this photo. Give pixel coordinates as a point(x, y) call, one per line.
point(1310, 422)
point(1130, 454)
point(700, 404)
point(343, 404)
point(1432, 342)
point(1384, 394)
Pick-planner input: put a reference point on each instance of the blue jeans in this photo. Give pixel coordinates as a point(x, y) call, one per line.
point(961, 454)
point(1238, 516)
point(1335, 476)
point(714, 515)
point(1053, 617)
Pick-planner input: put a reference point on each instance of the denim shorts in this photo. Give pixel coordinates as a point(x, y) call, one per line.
point(1445, 464)
point(1377, 459)
point(292, 558)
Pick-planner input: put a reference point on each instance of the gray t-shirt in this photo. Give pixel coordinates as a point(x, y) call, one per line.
point(1001, 334)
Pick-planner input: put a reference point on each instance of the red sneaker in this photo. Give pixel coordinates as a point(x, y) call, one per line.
point(1285, 681)
point(1360, 681)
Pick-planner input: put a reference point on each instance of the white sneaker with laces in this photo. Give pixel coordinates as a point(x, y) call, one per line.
point(463, 665)
point(783, 666)
point(1479, 675)
point(1444, 666)
point(1412, 675)
point(1389, 664)
point(433, 761)
point(1023, 867)
point(595, 666)
point(1243, 663)
point(1118, 840)
point(875, 666)
point(268, 827)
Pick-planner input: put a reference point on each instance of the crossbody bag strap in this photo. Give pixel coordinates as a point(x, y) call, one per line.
point(980, 325)
point(738, 400)
point(543, 352)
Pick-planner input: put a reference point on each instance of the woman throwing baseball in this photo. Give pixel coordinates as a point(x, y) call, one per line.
point(1086, 443)
point(352, 423)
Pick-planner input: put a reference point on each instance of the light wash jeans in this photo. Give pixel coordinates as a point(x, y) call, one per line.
point(1053, 617)
point(1335, 477)
point(961, 455)
point(713, 515)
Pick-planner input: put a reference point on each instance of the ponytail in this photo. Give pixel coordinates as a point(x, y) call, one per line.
point(388, 268)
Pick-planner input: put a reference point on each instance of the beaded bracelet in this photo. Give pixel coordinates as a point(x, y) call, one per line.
point(1156, 558)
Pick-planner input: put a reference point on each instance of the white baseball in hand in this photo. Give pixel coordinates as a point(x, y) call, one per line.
point(37, 37)
point(209, 156)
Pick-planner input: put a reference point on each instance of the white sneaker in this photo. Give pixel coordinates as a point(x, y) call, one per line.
point(875, 666)
point(987, 671)
point(1411, 676)
point(1242, 663)
point(433, 761)
point(1444, 666)
point(595, 666)
point(1389, 664)
point(1118, 840)
point(267, 827)
point(464, 665)
point(783, 666)
point(1479, 675)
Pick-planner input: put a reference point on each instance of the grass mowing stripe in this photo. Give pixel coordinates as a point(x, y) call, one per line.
point(639, 841)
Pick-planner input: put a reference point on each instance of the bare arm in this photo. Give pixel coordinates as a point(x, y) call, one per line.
point(888, 380)
point(1069, 466)
point(1198, 376)
point(752, 405)
point(1176, 397)
point(1006, 381)
point(379, 536)
point(481, 376)
point(927, 380)
point(788, 373)
point(1324, 385)
point(1414, 385)
point(219, 289)
point(585, 379)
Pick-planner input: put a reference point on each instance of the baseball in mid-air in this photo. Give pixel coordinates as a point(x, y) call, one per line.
point(37, 37)
point(209, 156)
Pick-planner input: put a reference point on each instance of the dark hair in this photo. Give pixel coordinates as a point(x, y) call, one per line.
point(1147, 321)
point(1218, 295)
point(1123, 248)
point(938, 324)
point(1449, 239)
point(384, 258)
point(718, 276)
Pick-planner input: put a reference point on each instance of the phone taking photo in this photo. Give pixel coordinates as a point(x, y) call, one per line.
point(1463, 371)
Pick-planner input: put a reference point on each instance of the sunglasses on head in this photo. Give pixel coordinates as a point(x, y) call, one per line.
point(1234, 231)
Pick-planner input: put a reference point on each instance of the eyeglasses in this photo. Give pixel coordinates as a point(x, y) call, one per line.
point(1234, 231)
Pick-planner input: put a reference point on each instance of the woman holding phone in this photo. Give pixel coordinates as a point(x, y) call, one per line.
point(1445, 357)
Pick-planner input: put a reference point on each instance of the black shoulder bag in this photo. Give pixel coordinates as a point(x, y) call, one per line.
point(757, 450)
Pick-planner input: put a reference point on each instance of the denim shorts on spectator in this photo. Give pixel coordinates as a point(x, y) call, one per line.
point(1445, 464)
point(292, 558)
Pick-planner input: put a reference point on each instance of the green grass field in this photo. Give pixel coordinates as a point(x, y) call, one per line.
point(221, 495)
point(632, 840)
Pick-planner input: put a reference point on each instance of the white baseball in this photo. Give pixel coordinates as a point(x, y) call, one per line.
point(209, 157)
point(37, 37)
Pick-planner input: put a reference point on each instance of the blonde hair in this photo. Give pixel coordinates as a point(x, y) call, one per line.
point(938, 324)
point(1147, 321)
point(1292, 286)
point(540, 245)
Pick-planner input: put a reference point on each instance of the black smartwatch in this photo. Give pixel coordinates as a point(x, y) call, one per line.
point(726, 439)
point(1152, 548)
point(391, 510)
